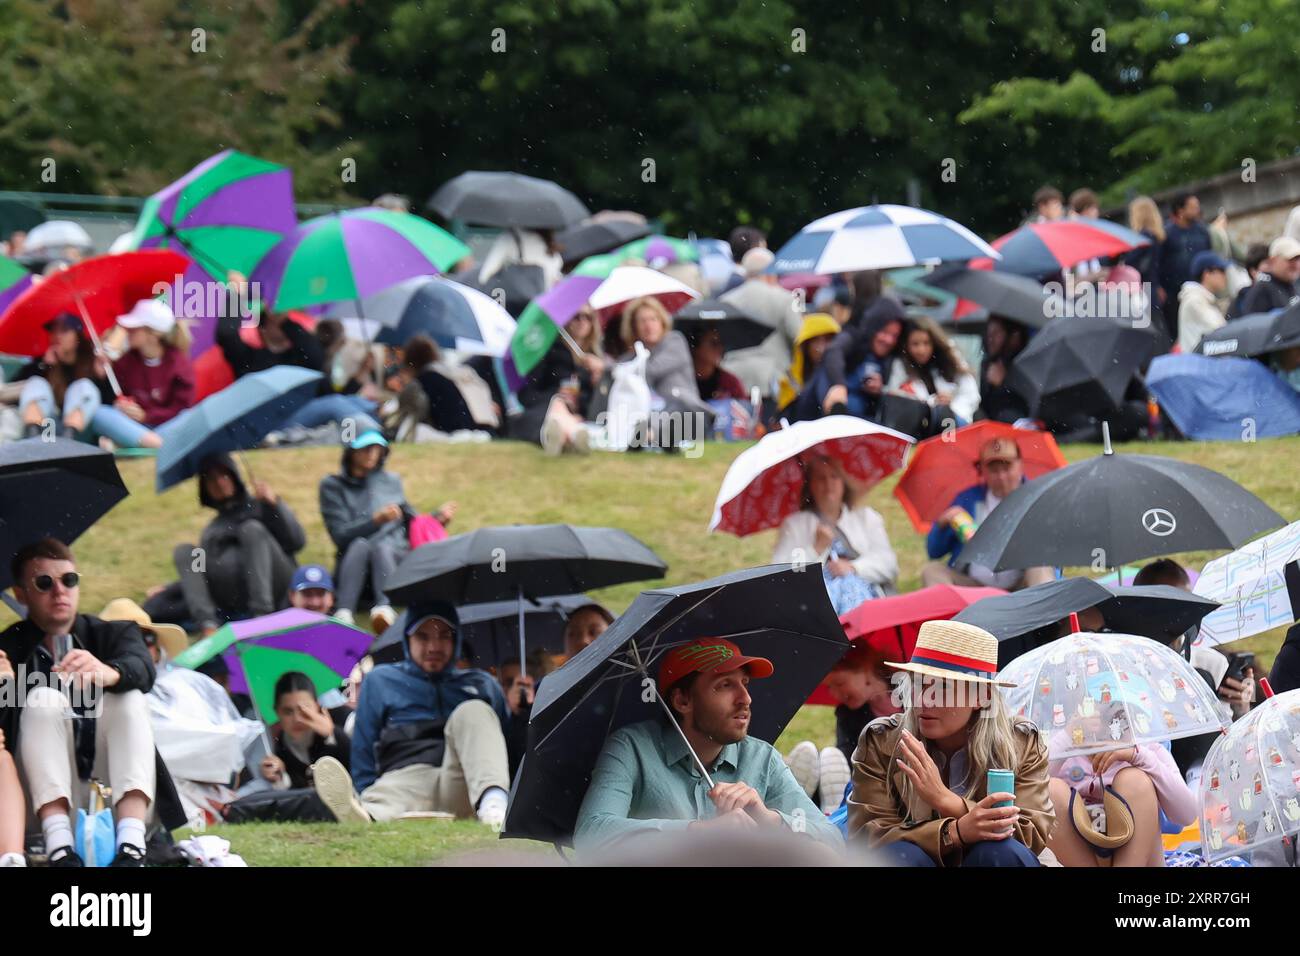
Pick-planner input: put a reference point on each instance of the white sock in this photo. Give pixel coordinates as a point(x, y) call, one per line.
point(130, 830)
point(57, 828)
point(12, 859)
point(493, 799)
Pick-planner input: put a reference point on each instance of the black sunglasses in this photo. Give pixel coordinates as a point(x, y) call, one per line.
point(44, 582)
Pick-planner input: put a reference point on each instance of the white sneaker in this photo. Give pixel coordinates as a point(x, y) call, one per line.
point(802, 761)
point(12, 859)
point(552, 435)
point(492, 807)
point(333, 785)
point(381, 618)
point(582, 441)
point(835, 776)
point(346, 616)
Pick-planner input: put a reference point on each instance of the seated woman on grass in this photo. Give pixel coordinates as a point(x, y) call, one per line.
point(307, 733)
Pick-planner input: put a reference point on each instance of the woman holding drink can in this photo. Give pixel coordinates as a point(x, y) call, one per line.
point(954, 780)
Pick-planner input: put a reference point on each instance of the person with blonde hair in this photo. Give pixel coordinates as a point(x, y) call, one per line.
point(846, 538)
point(670, 370)
point(929, 369)
point(921, 778)
point(155, 376)
point(558, 393)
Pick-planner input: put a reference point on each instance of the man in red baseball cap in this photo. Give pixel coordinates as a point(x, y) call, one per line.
point(647, 781)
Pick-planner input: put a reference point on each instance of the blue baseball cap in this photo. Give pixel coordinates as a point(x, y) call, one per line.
point(368, 438)
point(1203, 262)
point(311, 576)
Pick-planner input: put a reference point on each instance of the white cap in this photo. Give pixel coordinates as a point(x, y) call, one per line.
point(1284, 247)
point(149, 314)
point(756, 260)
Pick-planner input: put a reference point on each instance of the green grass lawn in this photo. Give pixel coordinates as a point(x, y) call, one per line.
point(664, 500)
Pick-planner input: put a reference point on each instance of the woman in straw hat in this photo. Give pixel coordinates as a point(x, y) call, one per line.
point(920, 778)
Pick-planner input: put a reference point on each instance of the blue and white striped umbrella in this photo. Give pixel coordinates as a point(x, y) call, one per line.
point(453, 315)
point(879, 237)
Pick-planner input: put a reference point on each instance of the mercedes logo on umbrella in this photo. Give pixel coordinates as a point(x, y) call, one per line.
point(1159, 522)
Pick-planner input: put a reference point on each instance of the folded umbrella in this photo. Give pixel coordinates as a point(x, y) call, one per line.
point(351, 256)
point(1258, 586)
point(774, 612)
point(1028, 618)
point(237, 417)
point(592, 238)
point(1044, 248)
point(1075, 365)
point(878, 237)
point(1253, 335)
point(942, 467)
point(764, 484)
point(1113, 509)
point(455, 316)
point(1223, 399)
point(55, 489)
point(507, 200)
point(1002, 293)
point(261, 650)
point(739, 330)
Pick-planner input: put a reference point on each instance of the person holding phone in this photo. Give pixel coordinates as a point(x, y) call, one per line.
point(306, 734)
point(852, 375)
point(920, 778)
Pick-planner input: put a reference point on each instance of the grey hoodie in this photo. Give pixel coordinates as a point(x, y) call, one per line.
point(348, 504)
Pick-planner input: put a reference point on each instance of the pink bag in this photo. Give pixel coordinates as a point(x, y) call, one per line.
point(425, 528)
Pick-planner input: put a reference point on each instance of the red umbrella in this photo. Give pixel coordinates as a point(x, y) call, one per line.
point(1041, 248)
point(97, 290)
point(891, 624)
point(943, 466)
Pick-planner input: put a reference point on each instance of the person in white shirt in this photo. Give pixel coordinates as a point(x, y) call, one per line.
point(525, 247)
point(1198, 308)
point(932, 371)
point(848, 540)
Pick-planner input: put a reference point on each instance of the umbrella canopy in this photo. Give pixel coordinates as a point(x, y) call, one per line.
point(239, 416)
point(1223, 399)
point(1258, 586)
point(657, 251)
point(1253, 335)
point(261, 650)
point(1080, 364)
point(226, 213)
point(739, 329)
point(592, 238)
point(1249, 781)
point(765, 483)
point(942, 467)
point(493, 564)
point(878, 237)
point(490, 631)
point(1092, 693)
point(56, 489)
point(1043, 248)
point(14, 281)
point(352, 255)
point(774, 612)
point(1028, 618)
point(507, 200)
point(18, 216)
point(1003, 293)
point(1115, 509)
point(455, 316)
point(97, 290)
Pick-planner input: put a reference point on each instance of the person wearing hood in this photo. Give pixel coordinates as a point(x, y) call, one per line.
point(857, 362)
point(429, 735)
point(815, 336)
point(243, 563)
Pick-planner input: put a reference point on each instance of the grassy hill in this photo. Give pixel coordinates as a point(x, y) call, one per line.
point(664, 500)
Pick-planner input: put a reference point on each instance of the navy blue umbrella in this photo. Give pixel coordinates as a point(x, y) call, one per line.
point(776, 612)
point(55, 488)
point(239, 416)
point(1215, 399)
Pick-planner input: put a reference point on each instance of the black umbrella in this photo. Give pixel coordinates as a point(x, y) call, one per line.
point(592, 238)
point(1080, 365)
point(56, 489)
point(775, 612)
point(739, 329)
point(490, 631)
point(508, 200)
point(1002, 293)
point(1117, 509)
point(1253, 335)
point(18, 216)
point(514, 286)
point(1027, 619)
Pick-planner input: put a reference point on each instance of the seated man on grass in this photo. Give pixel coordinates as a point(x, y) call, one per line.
point(646, 781)
point(429, 736)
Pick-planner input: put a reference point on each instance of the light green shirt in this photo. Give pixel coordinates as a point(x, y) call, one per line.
point(646, 781)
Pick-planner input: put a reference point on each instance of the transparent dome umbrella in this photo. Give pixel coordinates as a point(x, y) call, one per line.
point(1250, 781)
point(1092, 693)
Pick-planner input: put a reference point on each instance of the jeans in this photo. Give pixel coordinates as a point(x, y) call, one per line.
point(335, 408)
point(83, 395)
point(1008, 852)
point(362, 556)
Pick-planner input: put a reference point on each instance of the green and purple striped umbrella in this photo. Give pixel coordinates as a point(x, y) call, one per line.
point(14, 280)
point(658, 251)
point(353, 255)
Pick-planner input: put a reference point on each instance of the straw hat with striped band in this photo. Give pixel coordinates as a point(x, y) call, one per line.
point(951, 650)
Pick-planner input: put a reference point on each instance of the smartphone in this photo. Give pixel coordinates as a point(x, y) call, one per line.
point(1238, 663)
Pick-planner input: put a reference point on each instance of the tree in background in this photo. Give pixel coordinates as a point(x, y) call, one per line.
point(124, 97)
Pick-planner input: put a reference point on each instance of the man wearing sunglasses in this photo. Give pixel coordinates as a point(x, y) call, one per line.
point(72, 663)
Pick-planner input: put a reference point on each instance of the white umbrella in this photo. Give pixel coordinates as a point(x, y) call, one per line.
point(626, 283)
point(763, 484)
point(1258, 586)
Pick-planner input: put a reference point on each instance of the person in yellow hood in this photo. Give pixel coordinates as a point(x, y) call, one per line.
point(814, 335)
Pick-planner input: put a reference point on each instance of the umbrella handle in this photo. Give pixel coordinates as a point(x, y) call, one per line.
point(99, 347)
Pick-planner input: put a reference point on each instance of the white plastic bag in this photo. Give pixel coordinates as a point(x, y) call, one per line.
point(629, 401)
